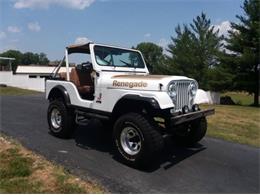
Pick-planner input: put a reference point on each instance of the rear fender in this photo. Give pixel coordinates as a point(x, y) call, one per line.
point(59, 92)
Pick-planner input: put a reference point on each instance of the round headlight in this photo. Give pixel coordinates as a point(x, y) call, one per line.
point(172, 91)
point(193, 89)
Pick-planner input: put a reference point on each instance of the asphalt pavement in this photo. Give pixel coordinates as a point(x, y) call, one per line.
point(212, 166)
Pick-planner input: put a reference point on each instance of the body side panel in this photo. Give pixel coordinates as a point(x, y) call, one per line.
point(105, 97)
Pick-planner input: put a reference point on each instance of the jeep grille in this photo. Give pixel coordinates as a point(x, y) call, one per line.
point(182, 98)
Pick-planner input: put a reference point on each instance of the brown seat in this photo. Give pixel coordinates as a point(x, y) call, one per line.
point(63, 75)
point(82, 80)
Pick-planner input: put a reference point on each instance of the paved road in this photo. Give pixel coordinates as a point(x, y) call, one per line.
point(213, 166)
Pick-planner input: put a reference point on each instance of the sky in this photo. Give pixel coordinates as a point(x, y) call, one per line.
point(50, 25)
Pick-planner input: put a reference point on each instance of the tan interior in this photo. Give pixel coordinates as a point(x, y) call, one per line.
point(82, 80)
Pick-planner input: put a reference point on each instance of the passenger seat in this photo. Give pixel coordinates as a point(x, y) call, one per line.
point(83, 81)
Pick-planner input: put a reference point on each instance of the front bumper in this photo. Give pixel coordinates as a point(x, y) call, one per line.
point(176, 120)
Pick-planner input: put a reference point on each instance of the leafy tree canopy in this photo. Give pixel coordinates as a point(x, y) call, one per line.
point(12, 54)
point(244, 44)
point(195, 51)
point(26, 58)
point(153, 55)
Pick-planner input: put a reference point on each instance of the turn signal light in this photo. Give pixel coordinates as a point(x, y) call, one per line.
point(195, 107)
point(185, 109)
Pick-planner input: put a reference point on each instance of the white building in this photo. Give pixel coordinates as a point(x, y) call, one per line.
point(28, 77)
point(37, 71)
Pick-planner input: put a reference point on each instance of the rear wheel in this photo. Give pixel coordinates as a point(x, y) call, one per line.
point(191, 133)
point(136, 140)
point(60, 119)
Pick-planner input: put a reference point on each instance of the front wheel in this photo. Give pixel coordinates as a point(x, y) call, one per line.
point(60, 119)
point(191, 133)
point(136, 140)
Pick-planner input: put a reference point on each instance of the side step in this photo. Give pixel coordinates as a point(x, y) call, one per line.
point(82, 118)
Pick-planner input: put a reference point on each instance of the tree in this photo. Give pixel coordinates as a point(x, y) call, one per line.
point(12, 54)
point(244, 44)
point(195, 50)
point(24, 58)
point(30, 58)
point(153, 55)
point(43, 60)
point(182, 51)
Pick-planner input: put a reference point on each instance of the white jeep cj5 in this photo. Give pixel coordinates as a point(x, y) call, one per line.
point(115, 86)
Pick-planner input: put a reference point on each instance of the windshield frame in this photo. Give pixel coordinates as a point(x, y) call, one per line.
point(143, 65)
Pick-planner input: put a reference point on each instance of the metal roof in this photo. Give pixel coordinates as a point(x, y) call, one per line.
point(38, 69)
point(5, 58)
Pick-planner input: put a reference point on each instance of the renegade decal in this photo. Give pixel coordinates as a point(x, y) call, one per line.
point(129, 84)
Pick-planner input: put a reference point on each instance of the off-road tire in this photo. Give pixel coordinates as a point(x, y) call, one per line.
point(197, 130)
point(151, 140)
point(67, 119)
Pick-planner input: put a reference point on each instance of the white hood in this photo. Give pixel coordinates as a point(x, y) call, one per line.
point(143, 82)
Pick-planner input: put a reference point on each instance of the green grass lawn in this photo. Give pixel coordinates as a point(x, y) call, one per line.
point(240, 98)
point(22, 171)
point(16, 91)
point(235, 123)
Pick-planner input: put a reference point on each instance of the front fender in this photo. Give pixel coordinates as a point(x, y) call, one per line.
point(160, 100)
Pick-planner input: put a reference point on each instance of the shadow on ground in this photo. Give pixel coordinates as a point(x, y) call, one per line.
point(96, 136)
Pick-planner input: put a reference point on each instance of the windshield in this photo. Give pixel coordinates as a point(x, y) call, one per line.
point(109, 56)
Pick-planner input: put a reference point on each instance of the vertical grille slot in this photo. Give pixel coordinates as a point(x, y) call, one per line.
point(182, 98)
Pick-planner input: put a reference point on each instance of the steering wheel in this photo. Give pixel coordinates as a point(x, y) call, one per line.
point(87, 65)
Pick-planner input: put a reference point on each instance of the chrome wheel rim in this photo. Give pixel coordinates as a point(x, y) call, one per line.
point(56, 118)
point(130, 140)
